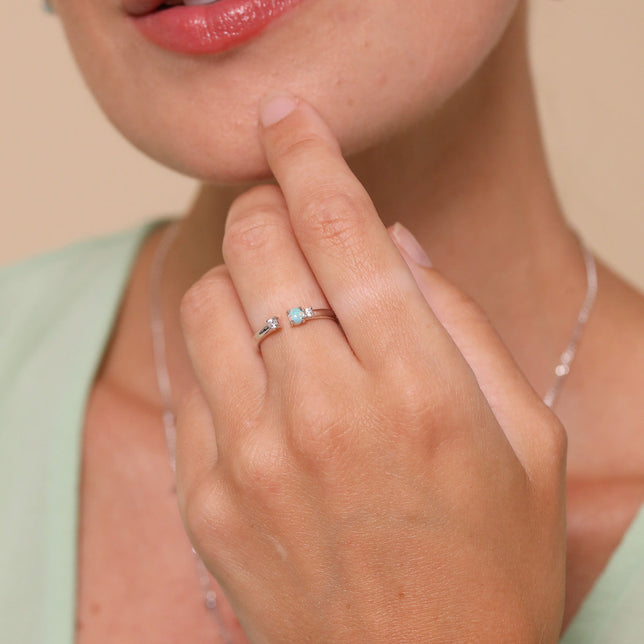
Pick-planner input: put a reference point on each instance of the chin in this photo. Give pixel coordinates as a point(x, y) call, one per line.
point(224, 147)
point(370, 69)
point(225, 160)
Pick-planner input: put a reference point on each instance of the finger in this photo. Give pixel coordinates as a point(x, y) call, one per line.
point(225, 359)
point(530, 427)
point(202, 493)
point(196, 448)
point(271, 275)
point(357, 266)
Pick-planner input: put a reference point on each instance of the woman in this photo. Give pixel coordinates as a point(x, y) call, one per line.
point(389, 472)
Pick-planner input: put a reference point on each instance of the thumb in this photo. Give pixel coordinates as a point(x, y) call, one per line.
point(504, 386)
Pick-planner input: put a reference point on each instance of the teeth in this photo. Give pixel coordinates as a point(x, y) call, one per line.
point(194, 3)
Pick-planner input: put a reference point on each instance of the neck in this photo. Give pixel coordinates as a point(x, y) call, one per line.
point(471, 182)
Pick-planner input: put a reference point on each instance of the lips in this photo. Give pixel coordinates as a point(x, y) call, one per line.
point(141, 7)
point(204, 27)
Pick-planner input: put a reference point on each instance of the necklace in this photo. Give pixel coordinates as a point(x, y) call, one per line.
point(163, 380)
point(561, 372)
point(566, 359)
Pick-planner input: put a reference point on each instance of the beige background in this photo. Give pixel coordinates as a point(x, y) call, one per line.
point(65, 174)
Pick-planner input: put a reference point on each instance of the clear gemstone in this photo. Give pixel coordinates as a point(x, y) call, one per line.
point(562, 370)
point(273, 323)
point(308, 312)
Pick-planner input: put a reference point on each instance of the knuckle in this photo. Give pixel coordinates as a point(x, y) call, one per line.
point(554, 441)
point(265, 196)
point(260, 465)
point(405, 380)
point(251, 232)
point(201, 298)
point(203, 505)
point(418, 401)
point(302, 146)
point(413, 401)
point(336, 216)
point(545, 457)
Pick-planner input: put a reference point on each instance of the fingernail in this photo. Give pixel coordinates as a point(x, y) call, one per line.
point(274, 108)
point(410, 245)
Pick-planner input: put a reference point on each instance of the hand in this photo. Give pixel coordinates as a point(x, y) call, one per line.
point(392, 479)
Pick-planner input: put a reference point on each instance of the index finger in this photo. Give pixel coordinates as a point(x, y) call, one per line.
point(360, 270)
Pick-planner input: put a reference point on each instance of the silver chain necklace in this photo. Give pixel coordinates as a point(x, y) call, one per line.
point(561, 372)
point(565, 361)
point(165, 389)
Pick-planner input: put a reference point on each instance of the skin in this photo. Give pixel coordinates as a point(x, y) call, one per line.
point(435, 146)
point(335, 472)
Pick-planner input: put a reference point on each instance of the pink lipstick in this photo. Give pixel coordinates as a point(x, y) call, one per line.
point(196, 28)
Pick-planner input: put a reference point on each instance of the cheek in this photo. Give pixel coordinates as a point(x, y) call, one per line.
point(368, 67)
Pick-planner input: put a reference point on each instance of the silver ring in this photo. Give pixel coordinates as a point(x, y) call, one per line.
point(272, 325)
point(301, 314)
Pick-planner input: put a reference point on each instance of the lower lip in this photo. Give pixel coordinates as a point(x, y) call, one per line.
point(213, 28)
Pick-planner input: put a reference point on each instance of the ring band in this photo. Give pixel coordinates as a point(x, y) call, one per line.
point(301, 314)
point(272, 325)
point(296, 316)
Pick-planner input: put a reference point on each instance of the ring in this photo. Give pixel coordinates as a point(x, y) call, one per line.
point(301, 314)
point(272, 325)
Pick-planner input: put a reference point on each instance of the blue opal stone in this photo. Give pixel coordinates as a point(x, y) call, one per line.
point(296, 316)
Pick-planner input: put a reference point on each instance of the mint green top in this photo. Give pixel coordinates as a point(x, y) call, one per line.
point(57, 311)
